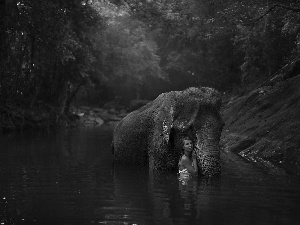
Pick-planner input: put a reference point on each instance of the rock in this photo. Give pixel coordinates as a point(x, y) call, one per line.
point(99, 121)
point(91, 121)
point(109, 117)
point(112, 111)
point(80, 114)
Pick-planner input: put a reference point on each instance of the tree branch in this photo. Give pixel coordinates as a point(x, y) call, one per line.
point(271, 9)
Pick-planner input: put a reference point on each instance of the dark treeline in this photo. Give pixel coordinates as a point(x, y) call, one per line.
point(62, 52)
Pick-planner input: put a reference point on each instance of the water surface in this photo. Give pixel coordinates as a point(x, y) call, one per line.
point(69, 177)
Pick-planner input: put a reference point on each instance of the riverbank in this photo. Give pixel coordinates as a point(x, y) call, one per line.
point(263, 125)
point(90, 116)
point(16, 118)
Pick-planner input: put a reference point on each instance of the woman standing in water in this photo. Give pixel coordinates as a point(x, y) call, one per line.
point(187, 164)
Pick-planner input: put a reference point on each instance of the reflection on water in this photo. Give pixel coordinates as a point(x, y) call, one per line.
point(70, 177)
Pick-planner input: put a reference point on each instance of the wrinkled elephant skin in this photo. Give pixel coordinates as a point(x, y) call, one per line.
point(152, 135)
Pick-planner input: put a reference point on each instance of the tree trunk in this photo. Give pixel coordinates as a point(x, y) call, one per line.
point(32, 52)
point(3, 27)
point(37, 84)
point(37, 92)
point(62, 99)
point(72, 95)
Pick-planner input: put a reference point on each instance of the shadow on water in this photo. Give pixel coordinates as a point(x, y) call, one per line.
point(70, 177)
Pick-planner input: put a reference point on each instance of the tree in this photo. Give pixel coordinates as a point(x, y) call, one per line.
point(195, 41)
point(130, 56)
point(268, 39)
point(53, 45)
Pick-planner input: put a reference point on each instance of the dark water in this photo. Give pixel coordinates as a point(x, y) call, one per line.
point(70, 178)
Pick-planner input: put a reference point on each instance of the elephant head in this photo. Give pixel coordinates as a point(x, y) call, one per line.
point(153, 134)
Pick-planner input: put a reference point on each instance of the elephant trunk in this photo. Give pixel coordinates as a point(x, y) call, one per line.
point(209, 159)
point(207, 147)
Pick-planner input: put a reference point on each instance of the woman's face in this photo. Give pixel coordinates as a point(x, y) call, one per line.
point(187, 145)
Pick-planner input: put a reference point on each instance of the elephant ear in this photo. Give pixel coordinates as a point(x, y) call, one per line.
point(160, 156)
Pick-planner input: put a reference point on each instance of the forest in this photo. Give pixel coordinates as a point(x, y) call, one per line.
point(62, 53)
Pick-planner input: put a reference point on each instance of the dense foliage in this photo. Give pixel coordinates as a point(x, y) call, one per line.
point(47, 50)
point(93, 51)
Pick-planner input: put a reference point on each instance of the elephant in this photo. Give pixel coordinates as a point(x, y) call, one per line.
point(152, 135)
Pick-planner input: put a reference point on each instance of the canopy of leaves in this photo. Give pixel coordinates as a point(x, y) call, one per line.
point(51, 49)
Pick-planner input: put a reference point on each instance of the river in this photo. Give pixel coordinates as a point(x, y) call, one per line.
point(70, 177)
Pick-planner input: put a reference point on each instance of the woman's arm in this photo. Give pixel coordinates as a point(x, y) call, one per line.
point(180, 165)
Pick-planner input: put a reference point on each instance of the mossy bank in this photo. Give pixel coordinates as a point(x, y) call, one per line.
point(264, 125)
